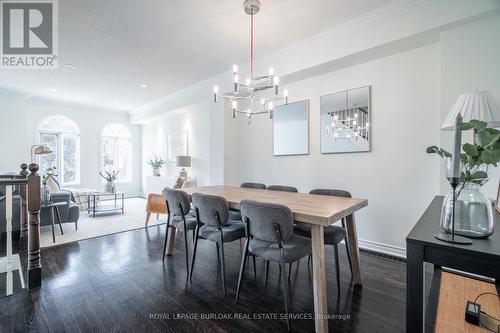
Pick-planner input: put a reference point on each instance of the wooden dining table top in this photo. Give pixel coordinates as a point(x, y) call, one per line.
point(309, 208)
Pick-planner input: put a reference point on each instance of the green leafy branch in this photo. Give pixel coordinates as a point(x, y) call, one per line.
point(49, 173)
point(484, 151)
point(157, 163)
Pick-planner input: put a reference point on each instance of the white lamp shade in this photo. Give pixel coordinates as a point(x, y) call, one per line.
point(183, 161)
point(477, 105)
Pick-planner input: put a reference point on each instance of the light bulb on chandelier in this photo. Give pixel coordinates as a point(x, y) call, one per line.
point(258, 94)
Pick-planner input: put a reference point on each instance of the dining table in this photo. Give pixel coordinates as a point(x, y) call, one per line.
point(319, 211)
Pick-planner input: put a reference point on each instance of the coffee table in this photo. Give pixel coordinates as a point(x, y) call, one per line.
point(93, 208)
point(54, 210)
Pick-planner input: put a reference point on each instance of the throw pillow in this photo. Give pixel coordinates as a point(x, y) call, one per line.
point(53, 186)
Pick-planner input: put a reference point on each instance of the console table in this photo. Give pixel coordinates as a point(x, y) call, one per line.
point(482, 257)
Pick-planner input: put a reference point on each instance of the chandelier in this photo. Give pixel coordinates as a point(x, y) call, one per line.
point(251, 94)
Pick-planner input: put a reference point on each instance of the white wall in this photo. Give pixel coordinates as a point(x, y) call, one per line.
point(19, 119)
point(471, 61)
point(410, 53)
point(397, 177)
point(195, 119)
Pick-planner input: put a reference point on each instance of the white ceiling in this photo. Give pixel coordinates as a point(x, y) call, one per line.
point(117, 45)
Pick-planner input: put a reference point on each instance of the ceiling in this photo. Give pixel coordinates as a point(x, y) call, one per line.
point(117, 45)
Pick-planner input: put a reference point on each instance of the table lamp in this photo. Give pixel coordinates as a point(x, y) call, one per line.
point(476, 105)
point(183, 162)
point(40, 150)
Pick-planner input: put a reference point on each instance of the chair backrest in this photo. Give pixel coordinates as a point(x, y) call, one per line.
point(208, 205)
point(254, 185)
point(337, 193)
point(282, 188)
point(174, 198)
point(263, 217)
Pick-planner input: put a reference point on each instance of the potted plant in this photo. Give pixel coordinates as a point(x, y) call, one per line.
point(110, 180)
point(45, 192)
point(157, 164)
point(474, 215)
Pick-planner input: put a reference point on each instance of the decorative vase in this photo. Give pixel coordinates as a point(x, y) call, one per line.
point(45, 194)
point(109, 187)
point(473, 212)
point(156, 172)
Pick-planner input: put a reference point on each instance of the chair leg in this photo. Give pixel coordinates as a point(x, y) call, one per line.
point(166, 237)
point(286, 291)
point(223, 267)
point(148, 215)
point(267, 270)
point(347, 249)
point(218, 254)
point(187, 252)
point(195, 232)
point(337, 268)
point(242, 270)
point(254, 268)
point(290, 269)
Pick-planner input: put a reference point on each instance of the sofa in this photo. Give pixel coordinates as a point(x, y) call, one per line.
point(69, 213)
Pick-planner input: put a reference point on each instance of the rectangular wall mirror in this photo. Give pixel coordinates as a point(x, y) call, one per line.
point(345, 121)
point(291, 129)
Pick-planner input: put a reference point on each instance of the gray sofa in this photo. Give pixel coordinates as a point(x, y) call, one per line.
point(69, 213)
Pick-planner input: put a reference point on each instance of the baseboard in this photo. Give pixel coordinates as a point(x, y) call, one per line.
point(391, 250)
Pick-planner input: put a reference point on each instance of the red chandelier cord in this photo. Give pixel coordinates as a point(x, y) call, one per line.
point(251, 46)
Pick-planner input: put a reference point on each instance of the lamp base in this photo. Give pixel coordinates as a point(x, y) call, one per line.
point(183, 173)
point(446, 237)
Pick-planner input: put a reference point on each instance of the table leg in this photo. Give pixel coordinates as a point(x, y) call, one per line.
point(59, 219)
point(415, 288)
point(170, 241)
point(93, 206)
point(319, 279)
point(123, 203)
point(352, 239)
point(52, 219)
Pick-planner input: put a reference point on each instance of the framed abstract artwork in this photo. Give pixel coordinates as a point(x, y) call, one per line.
point(177, 144)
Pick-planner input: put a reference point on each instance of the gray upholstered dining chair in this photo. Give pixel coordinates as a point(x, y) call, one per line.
point(269, 231)
point(282, 188)
point(179, 217)
point(213, 224)
point(333, 234)
point(259, 186)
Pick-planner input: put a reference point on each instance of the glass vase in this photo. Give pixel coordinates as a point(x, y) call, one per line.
point(45, 194)
point(473, 212)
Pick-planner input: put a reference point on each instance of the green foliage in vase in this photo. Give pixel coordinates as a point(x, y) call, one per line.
point(486, 151)
point(157, 162)
point(47, 174)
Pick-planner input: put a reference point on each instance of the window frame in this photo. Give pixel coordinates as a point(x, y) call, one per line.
point(59, 137)
point(116, 140)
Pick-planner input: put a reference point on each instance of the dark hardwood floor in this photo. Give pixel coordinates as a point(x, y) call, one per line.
point(118, 283)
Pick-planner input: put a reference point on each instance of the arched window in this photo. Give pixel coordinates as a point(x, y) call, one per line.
point(116, 151)
point(63, 136)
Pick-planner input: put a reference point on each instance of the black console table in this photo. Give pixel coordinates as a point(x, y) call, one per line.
point(482, 258)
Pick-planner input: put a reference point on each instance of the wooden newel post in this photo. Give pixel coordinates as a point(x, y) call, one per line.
point(24, 206)
point(34, 266)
